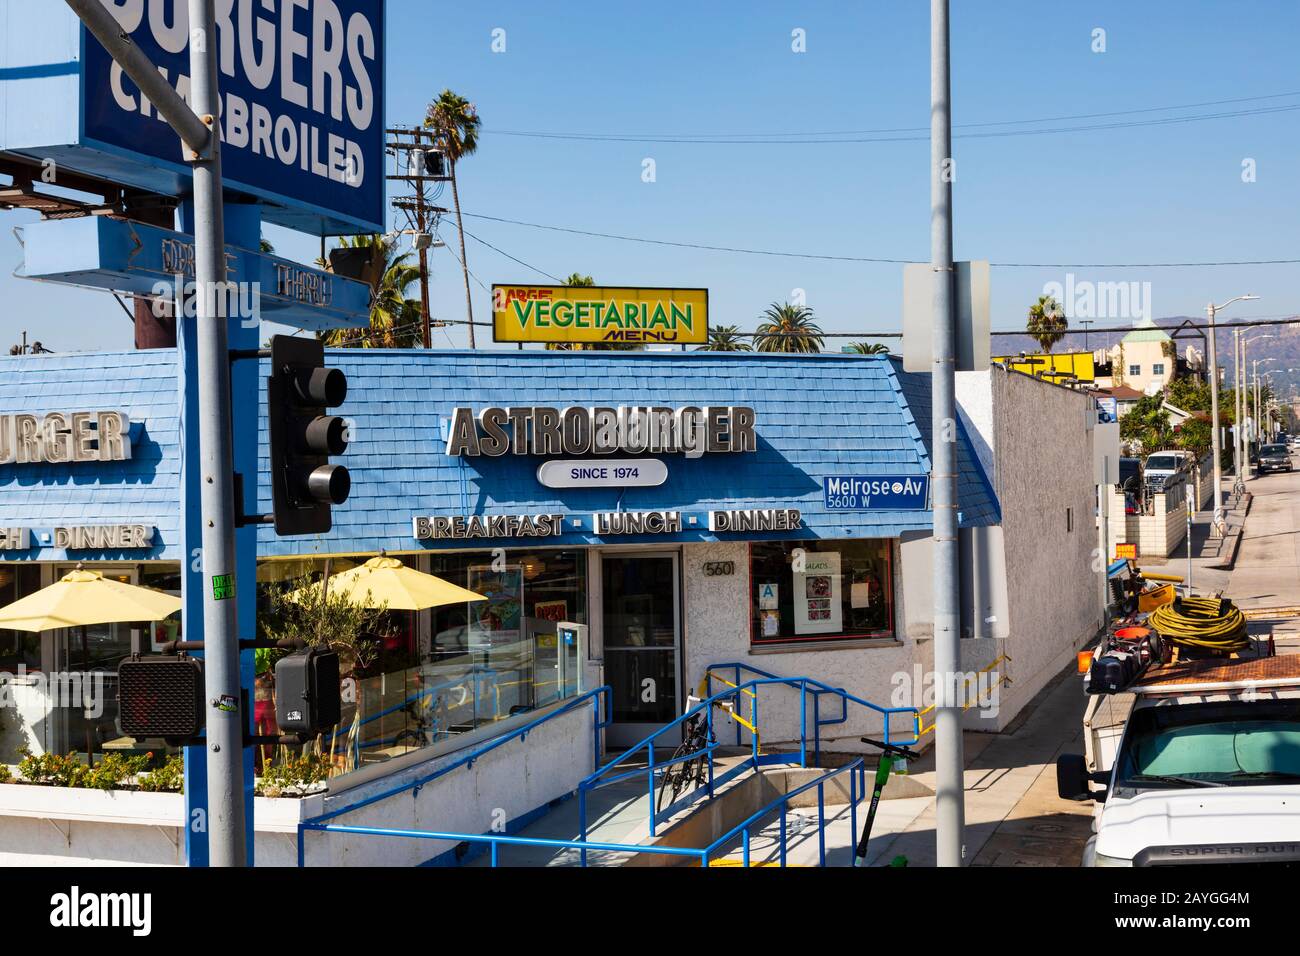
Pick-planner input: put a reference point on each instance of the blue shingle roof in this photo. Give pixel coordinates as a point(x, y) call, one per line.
point(143, 490)
point(817, 417)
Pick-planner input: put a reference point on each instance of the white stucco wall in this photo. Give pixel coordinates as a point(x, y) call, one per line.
point(1043, 451)
point(52, 826)
point(717, 630)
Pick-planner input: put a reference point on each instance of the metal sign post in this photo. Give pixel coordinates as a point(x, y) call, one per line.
point(950, 795)
point(226, 823)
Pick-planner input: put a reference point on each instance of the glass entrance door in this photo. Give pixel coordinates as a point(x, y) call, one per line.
point(641, 636)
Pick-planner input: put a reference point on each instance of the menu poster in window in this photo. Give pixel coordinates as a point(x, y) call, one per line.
point(770, 622)
point(500, 616)
point(817, 597)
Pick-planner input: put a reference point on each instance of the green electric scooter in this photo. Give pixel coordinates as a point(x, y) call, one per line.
point(888, 756)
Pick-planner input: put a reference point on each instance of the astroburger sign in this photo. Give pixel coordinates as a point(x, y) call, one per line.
point(593, 314)
point(548, 431)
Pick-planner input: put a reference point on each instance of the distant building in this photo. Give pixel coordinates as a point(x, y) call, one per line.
point(1145, 359)
point(1061, 369)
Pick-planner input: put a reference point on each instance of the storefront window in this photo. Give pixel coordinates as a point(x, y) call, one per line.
point(19, 648)
point(820, 591)
point(435, 674)
point(93, 652)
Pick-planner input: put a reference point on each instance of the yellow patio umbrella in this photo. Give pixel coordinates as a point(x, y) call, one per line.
point(385, 581)
point(83, 598)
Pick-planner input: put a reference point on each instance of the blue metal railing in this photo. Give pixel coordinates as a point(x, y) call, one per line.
point(818, 690)
point(466, 760)
point(732, 696)
point(856, 771)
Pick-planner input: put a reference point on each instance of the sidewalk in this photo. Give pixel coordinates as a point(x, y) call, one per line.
point(1013, 816)
point(1213, 558)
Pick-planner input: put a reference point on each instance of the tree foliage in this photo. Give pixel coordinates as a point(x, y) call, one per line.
point(726, 338)
point(1047, 324)
point(788, 328)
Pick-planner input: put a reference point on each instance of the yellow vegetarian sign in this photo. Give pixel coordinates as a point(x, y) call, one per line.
point(557, 313)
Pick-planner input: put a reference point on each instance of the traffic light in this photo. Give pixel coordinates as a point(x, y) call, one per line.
point(308, 699)
point(304, 485)
point(160, 697)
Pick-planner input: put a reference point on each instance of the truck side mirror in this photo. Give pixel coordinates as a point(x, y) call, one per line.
point(1072, 779)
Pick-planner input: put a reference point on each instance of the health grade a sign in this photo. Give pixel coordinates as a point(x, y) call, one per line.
point(302, 102)
point(594, 314)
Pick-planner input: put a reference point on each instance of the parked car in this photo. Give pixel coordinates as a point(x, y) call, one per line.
point(1274, 458)
point(1161, 466)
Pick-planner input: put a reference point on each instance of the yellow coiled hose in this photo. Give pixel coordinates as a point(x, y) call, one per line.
point(1197, 622)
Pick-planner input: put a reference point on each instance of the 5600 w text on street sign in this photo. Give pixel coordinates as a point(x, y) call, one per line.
point(877, 493)
point(530, 313)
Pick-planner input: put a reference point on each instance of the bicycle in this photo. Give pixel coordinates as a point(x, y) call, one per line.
point(889, 755)
point(687, 774)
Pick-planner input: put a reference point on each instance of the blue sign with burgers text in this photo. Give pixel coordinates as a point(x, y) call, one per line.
point(877, 492)
point(302, 102)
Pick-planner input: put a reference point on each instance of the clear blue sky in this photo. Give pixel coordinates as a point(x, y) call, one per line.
point(1169, 192)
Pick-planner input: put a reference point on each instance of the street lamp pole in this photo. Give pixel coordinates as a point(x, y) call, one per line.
point(1216, 442)
point(1242, 386)
point(1236, 404)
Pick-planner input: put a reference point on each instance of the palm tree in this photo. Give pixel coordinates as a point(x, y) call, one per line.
point(395, 318)
point(580, 280)
point(869, 348)
point(1047, 323)
point(455, 122)
point(725, 338)
point(788, 328)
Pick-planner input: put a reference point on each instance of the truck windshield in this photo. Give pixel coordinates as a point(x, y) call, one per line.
point(1236, 743)
point(1163, 463)
point(1278, 451)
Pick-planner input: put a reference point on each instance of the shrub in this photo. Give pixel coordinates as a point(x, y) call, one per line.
point(168, 778)
point(293, 773)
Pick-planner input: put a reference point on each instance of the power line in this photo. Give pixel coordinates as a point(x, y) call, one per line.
point(912, 134)
point(873, 259)
point(512, 258)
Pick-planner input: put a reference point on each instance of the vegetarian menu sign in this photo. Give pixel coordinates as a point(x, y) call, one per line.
point(599, 314)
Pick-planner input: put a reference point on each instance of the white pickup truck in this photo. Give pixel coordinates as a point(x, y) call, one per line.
point(1200, 763)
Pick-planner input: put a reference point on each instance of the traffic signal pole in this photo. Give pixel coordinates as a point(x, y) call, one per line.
point(197, 128)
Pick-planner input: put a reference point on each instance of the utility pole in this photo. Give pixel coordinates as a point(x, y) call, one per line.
point(1085, 323)
point(197, 128)
point(1211, 310)
point(410, 151)
point(950, 796)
